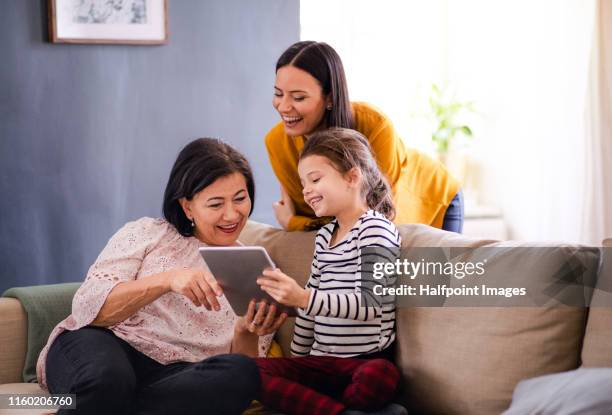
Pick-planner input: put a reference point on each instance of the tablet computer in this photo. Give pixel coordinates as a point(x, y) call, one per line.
point(236, 269)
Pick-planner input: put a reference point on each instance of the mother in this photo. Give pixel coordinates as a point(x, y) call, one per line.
point(150, 328)
point(311, 93)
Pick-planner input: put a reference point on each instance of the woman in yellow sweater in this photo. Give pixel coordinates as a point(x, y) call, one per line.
point(311, 93)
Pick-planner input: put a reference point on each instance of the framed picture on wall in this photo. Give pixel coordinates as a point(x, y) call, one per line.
point(132, 22)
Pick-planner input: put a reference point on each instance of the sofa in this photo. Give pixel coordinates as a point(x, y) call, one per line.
point(453, 360)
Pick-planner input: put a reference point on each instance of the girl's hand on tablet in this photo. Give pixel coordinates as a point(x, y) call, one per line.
point(283, 288)
point(260, 320)
point(198, 285)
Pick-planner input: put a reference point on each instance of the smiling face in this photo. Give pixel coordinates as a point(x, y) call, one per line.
point(327, 191)
point(220, 210)
point(299, 99)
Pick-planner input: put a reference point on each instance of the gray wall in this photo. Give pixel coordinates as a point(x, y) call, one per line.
point(88, 133)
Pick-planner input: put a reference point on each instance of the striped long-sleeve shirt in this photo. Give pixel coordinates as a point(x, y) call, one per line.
point(338, 321)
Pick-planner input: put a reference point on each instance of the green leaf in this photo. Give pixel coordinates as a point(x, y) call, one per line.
point(466, 130)
point(445, 108)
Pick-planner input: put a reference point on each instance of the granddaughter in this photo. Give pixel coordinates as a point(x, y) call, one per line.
point(342, 344)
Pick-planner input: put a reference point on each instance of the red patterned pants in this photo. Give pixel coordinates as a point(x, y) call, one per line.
point(326, 385)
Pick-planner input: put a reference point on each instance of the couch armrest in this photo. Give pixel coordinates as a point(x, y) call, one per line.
point(14, 340)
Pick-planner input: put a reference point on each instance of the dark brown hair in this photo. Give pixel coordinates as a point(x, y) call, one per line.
point(322, 62)
point(346, 149)
point(198, 165)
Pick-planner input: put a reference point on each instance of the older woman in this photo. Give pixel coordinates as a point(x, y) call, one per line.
point(150, 329)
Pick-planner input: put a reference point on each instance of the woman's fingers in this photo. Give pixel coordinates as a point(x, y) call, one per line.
point(188, 292)
point(254, 324)
point(284, 209)
point(281, 213)
point(287, 201)
point(279, 207)
point(248, 317)
point(212, 282)
point(263, 320)
point(250, 312)
point(197, 285)
point(270, 317)
point(275, 325)
point(270, 324)
point(209, 295)
point(200, 294)
point(261, 313)
point(284, 195)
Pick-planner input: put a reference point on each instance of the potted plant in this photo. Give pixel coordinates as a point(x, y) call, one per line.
point(446, 109)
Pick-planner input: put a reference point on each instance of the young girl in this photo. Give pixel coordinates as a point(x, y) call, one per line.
point(342, 343)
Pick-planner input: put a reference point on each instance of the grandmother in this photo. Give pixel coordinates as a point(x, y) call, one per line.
point(150, 330)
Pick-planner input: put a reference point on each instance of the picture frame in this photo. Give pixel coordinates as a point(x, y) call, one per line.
point(127, 22)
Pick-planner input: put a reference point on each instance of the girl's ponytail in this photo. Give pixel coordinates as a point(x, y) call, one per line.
point(379, 198)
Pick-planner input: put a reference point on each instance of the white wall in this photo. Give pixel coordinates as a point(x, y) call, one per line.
point(525, 65)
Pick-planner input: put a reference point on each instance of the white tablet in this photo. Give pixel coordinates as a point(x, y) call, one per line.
point(236, 269)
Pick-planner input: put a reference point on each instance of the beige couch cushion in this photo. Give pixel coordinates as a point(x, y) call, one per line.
point(14, 337)
point(468, 360)
point(597, 349)
point(453, 360)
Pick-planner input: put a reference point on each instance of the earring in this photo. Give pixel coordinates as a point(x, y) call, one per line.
point(192, 222)
point(329, 106)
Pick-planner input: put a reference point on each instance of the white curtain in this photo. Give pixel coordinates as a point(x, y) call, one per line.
point(597, 223)
point(525, 64)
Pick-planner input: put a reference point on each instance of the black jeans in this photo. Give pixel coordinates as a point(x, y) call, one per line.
point(109, 376)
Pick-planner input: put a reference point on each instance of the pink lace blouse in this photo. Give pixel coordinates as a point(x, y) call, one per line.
point(171, 328)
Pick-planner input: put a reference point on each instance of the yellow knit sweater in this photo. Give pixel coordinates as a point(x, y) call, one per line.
point(422, 188)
